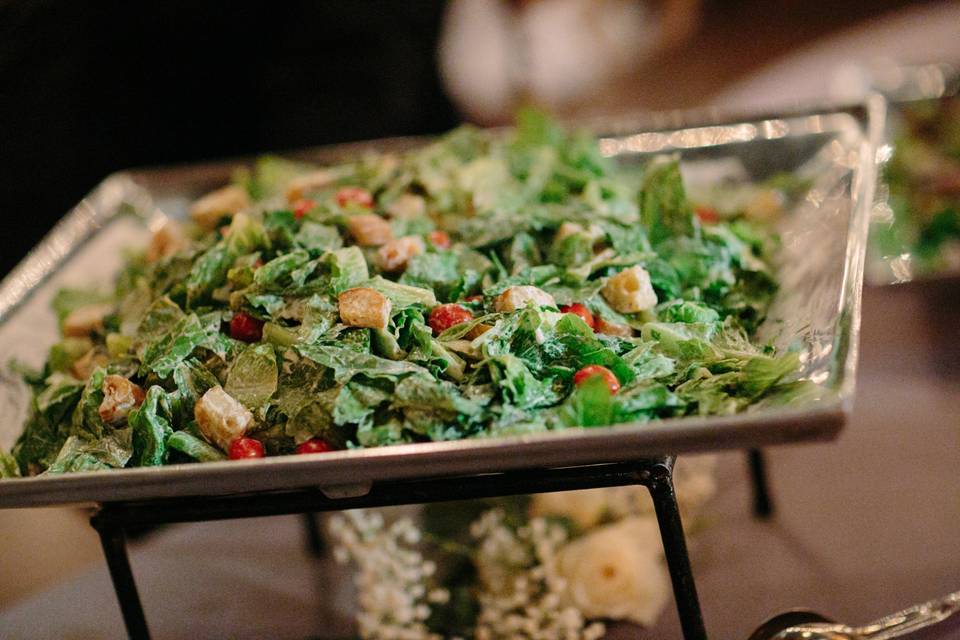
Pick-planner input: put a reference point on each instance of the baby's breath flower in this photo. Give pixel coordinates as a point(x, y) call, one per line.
point(391, 576)
point(530, 604)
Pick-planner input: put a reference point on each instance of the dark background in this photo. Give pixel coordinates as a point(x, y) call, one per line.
point(87, 88)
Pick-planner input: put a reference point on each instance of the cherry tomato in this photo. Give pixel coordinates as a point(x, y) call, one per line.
point(245, 327)
point(246, 448)
point(439, 239)
point(578, 309)
point(474, 299)
point(314, 445)
point(355, 195)
point(447, 315)
point(596, 370)
point(302, 207)
point(707, 215)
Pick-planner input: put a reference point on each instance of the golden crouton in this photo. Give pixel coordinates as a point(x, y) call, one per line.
point(313, 181)
point(630, 291)
point(224, 202)
point(167, 239)
point(364, 307)
point(394, 255)
point(83, 367)
point(369, 230)
point(407, 206)
point(612, 328)
point(119, 397)
point(221, 418)
point(85, 320)
point(520, 296)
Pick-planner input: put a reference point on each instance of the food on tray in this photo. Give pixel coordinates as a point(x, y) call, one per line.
point(482, 285)
point(924, 180)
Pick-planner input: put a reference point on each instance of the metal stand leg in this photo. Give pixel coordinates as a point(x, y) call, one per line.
point(762, 503)
point(311, 526)
point(114, 544)
point(660, 485)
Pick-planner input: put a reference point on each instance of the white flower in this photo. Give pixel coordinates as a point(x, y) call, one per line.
point(394, 592)
point(695, 481)
point(585, 507)
point(616, 572)
point(521, 590)
point(589, 507)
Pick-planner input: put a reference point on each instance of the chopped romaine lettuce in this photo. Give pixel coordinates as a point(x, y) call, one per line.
point(254, 308)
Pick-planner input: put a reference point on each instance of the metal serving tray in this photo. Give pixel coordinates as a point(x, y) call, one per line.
point(817, 311)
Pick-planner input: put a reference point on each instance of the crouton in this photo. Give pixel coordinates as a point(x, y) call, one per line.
point(364, 307)
point(221, 418)
point(520, 296)
point(612, 328)
point(300, 186)
point(369, 230)
point(630, 291)
point(167, 239)
point(765, 206)
point(394, 255)
point(83, 367)
point(119, 397)
point(224, 202)
point(85, 320)
point(407, 206)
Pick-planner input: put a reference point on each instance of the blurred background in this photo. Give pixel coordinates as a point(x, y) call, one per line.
point(88, 88)
point(94, 87)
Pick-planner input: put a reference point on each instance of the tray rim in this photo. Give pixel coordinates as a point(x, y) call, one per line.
point(617, 443)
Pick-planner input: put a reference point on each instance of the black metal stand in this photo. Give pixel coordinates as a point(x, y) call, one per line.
point(762, 502)
point(656, 474)
point(660, 484)
point(311, 522)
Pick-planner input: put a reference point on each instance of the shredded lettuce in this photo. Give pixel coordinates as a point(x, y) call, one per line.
point(537, 207)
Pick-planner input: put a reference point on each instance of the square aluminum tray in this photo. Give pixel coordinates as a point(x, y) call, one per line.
point(817, 311)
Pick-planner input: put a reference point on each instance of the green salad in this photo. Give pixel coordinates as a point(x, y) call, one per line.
point(486, 284)
point(924, 180)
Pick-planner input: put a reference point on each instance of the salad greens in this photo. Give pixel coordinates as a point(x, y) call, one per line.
point(453, 291)
point(924, 180)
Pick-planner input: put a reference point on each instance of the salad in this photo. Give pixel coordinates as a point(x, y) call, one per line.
point(482, 285)
point(924, 180)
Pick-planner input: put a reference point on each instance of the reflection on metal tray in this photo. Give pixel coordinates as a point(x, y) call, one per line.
point(816, 311)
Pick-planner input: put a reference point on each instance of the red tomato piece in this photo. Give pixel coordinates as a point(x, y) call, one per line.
point(707, 215)
point(245, 327)
point(303, 207)
point(355, 195)
point(314, 445)
point(578, 309)
point(445, 316)
point(439, 239)
point(246, 448)
point(596, 370)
